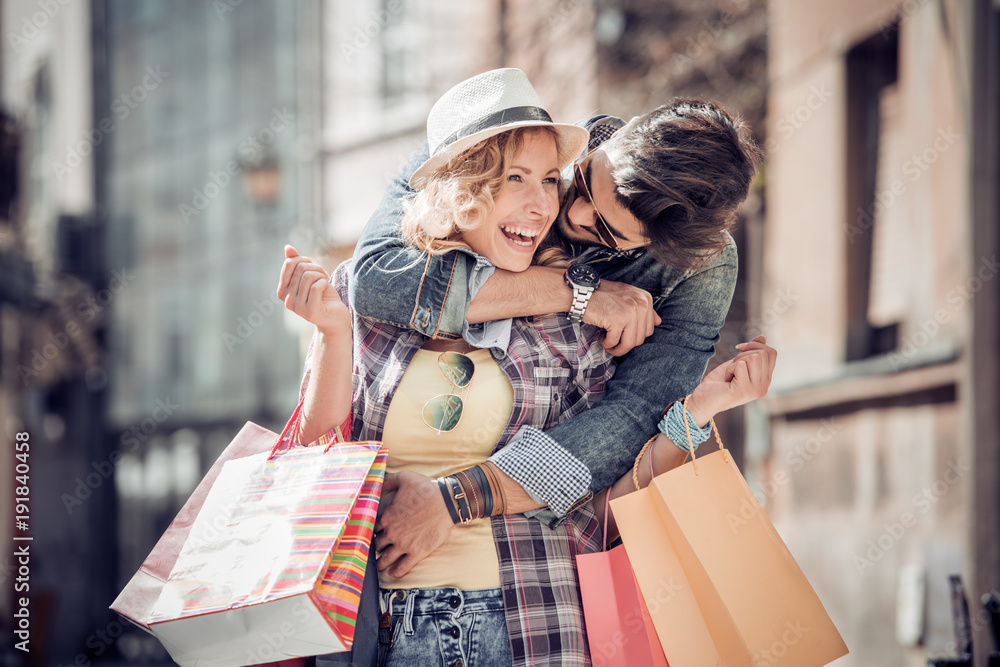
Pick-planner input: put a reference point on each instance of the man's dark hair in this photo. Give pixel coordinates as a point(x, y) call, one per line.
point(683, 171)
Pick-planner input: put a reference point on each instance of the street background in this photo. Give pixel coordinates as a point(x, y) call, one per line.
point(156, 155)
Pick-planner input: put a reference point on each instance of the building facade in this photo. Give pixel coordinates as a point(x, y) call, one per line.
point(52, 383)
point(168, 151)
point(879, 460)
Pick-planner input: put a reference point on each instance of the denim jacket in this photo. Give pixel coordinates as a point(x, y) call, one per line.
point(395, 283)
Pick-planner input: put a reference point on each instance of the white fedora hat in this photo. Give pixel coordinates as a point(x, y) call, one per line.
point(485, 105)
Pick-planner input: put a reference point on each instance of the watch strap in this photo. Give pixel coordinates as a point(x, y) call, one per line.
point(581, 297)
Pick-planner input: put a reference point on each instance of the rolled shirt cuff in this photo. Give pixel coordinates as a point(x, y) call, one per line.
point(494, 335)
point(547, 471)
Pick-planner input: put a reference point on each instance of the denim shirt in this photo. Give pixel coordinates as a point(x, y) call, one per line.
point(393, 282)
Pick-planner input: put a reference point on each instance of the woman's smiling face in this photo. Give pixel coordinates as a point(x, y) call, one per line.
point(524, 208)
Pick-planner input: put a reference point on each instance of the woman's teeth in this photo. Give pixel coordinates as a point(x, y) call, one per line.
point(519, 235)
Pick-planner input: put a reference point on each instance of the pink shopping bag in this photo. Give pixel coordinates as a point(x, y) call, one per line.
point(619, 628)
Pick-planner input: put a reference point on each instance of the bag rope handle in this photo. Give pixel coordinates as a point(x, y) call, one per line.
point(635, 480)
point(635, 466)
point(687, 428)
point(691, 448)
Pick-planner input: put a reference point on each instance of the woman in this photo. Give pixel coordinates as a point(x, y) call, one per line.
point(490, 187)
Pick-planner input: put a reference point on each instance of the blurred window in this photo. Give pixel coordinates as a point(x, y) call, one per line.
point(887, 288)
point(876, 226)
point(403, 47)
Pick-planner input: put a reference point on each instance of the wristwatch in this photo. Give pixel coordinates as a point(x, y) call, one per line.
point(584, 280)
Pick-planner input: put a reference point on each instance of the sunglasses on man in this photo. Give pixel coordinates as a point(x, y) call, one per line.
point(601, 225)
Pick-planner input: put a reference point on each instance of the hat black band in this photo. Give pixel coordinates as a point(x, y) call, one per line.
point(504, 117)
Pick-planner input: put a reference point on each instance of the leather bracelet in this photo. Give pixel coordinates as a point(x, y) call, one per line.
point(499, 501)
point(448, 502)
point(460, 497)
point(496, 494)
point(485, 488)
point(472, 494)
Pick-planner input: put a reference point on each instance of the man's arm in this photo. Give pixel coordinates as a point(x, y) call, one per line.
point(606, 438)
point(624, 311)
point(397, 283)
point(438, 294)
point(551, 468)
point(420, 522)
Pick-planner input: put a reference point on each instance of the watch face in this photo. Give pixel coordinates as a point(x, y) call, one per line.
point(583, 275)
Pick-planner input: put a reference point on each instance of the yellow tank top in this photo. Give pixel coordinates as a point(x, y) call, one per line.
point(468, 559)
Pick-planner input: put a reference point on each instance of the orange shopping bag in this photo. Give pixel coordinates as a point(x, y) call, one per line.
point(619, 629)
point(736, 596)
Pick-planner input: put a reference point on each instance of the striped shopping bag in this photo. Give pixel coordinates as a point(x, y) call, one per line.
point(272, 567)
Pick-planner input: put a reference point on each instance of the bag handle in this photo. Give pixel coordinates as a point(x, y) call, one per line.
point(687, 429)
point(293, 423)
point(330, 439)
point(607, 508)
point(635, 466)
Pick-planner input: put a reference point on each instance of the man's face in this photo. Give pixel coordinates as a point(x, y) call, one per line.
point(580, 216)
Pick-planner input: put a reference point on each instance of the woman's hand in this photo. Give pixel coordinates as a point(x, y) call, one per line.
point(744, 378)
point(305, 288)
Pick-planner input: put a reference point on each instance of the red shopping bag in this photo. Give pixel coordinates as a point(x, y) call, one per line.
point(619, 628)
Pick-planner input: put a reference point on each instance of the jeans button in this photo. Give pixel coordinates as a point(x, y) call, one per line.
point(400, 595)
point(455, 632)
point(454, 601)
point(459, 663)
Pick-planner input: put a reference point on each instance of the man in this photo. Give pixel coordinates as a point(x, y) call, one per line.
point(648, 209)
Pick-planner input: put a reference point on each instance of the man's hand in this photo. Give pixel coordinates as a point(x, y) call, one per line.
point(744, 378)
point(624, 312)
point(415, 523)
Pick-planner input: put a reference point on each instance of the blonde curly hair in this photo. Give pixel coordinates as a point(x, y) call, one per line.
point(459, 196)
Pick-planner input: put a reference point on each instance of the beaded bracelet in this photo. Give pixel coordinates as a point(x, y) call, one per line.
point(672, 426)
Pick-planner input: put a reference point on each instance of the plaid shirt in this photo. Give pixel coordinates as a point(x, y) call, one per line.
point(557, 369)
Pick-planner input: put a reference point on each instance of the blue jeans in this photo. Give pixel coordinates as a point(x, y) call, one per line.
point(447, 627)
